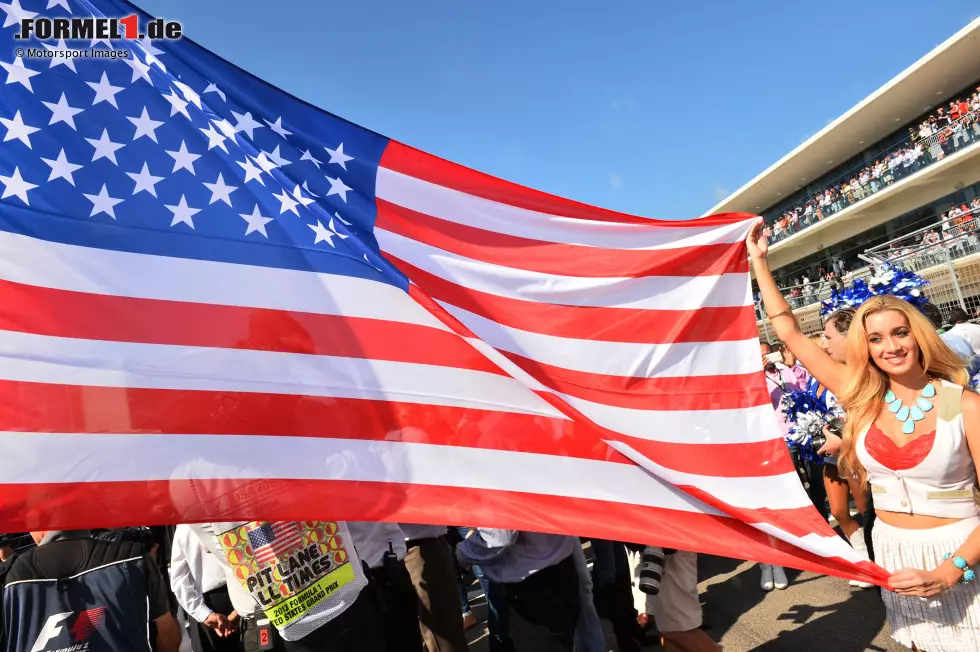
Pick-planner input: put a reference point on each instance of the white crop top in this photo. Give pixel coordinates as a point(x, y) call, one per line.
point(942, 484)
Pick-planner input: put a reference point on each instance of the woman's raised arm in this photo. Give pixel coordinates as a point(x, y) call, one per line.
point(821, 366)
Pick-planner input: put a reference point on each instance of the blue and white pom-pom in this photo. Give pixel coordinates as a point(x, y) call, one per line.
point(887, 280)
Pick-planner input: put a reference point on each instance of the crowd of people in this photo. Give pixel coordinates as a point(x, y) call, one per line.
point(941, 134)
point(340, 586)
point(903, 440)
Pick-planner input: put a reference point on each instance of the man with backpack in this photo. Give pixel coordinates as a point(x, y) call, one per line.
point(72, 590)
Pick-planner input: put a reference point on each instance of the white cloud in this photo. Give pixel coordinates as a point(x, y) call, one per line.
point(615, 180)
point(720, 192)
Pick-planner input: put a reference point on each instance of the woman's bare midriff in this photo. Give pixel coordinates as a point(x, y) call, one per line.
point(913, 521)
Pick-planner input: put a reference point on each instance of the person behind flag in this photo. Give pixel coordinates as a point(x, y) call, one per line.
point(198, 583)
point(430, 562)
point(915, 435)
point(779, 378)
point(381, 546)
point(297, 586)
point(540, 581)
point(73, 591)
point(839, 488)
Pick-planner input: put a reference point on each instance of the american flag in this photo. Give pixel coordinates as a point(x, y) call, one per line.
point(270, 541)
point(206, 283)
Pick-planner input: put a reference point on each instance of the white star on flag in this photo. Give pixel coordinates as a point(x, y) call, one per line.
point(145, 126)
point(338, 187)
point(15, 13)
point(96, 41)
point(140, 69)
point(61, 168)
point(322, 233)
point(337, 156)
point(151, 53)
point(213, 88)
point(308, 191)
point(287, 203)
point(189, 93)
point(256, 222)
point(104, 147)
point(58, 3)
point(220, 191)
point(252, 173)
point(309, 157)
point(183, 213)
point(62, 60)
point(17, 130)
point(103, 203)
point(17, 73)
point(246, 123)
point(265, 163)
point(337, 215)
point(104, 91)
point(335, 231)
point(145, 181)
point(275, 157)
point(184, 159)
point(226, 128)
point(62, 112)
point(278, 128)
point(177, 104)
point(15, 186)
point(298, 195)
point(215, 138)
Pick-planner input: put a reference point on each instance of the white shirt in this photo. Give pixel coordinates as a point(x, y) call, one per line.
point(241, 599)
point(193, 572)
point(371, 540)
point(969, 332)
point(414, 531)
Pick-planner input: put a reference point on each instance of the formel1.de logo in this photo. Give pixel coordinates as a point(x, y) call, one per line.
point(125, 28)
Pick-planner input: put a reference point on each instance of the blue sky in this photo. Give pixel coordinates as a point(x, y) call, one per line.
point(650, 107)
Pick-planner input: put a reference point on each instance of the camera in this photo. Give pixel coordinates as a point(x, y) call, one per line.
point(835, 426)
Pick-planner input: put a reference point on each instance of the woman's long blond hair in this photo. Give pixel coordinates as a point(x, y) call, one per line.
point(866, 384)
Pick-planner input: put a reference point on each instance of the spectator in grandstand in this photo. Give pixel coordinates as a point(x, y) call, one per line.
point(962, 327)
point(939, 134)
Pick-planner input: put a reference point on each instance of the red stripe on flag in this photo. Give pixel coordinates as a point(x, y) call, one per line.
point(66, 313)
point(658, 393)
point(418, 164)
point(589, 323)
point(40, 407)
point(557, 258)
point(117, 504)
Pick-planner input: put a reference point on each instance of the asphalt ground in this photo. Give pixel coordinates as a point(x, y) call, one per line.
point(816, 612)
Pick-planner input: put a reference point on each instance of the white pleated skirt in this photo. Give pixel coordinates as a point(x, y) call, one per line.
point(949, 622)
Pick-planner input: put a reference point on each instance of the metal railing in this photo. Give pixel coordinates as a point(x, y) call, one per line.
point(963, 132)
point(951, 265)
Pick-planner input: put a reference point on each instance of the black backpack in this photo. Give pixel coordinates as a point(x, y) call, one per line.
point(100, 605)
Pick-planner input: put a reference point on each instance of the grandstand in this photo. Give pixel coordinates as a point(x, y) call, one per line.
point(895, 179)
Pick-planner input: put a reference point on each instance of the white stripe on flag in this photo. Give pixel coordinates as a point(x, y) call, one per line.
point(617, 358)
point(462, 208)
point(651, 292)
point(124, 457)
point(37, 358)
point(102, 271)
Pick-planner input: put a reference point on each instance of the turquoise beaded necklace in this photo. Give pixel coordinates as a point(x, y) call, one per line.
point(910, 414)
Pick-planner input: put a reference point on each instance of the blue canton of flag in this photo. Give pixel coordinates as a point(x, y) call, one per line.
point(173, 151)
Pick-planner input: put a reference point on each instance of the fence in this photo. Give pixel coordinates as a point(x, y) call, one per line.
point(961, 132)
point(950, 262)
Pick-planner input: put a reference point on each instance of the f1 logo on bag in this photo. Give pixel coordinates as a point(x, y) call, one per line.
point(86, 623)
